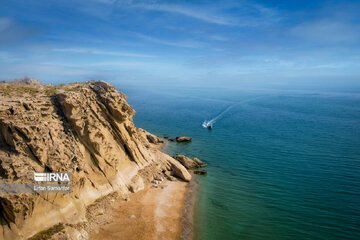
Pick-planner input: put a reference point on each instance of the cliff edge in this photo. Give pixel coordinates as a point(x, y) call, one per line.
point(82, 128)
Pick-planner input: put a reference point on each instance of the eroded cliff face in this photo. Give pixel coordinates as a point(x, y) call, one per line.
point(82, 128)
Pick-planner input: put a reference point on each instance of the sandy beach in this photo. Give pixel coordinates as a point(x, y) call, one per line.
point(154, 213)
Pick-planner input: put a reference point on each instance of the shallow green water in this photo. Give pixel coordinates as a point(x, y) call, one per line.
point(282, 165)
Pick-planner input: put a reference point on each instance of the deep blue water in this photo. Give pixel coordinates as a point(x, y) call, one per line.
point(282, 164)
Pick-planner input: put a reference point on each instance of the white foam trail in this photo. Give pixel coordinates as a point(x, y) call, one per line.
point(206, 123)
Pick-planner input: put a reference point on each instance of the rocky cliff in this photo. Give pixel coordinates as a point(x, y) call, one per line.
point(82, 128)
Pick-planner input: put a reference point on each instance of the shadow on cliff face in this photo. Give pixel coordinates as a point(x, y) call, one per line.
point(82, 128)
point(6, 212)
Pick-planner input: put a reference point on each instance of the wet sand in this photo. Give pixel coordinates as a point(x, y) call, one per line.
point(153, 213)
point(188, 212)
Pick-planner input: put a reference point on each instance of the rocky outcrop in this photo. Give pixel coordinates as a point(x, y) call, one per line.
point(28, 81)
point(178, 169)
point(183, 139)
point(154, 139)
point(190, 163)
point(199, 162)
point(82, 128)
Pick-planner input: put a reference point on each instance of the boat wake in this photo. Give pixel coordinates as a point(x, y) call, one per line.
point(209, 123)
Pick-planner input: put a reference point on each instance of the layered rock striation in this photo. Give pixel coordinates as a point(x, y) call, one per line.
point(82, 128)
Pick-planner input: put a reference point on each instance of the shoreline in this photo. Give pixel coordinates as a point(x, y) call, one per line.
point(187, 214)
point(153, 213)
point(187, 219)
point(162, 212)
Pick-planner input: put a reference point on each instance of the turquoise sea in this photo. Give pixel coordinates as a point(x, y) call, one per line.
point(282, 164)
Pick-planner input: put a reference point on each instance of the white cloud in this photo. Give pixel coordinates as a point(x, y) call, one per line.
point(244, 13)
point(197, 13)
point(6, 57)
point(184, 43)
point(101, 52)
point(219, 38)
point(327, 30)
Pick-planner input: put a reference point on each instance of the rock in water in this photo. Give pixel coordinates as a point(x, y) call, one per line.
point(85, 129)
point(199, 162)
point(201, 172)
point(154, 139)
point(190, 163)
point(183, 139)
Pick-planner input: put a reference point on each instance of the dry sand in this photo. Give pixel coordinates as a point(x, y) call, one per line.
point(154, 213)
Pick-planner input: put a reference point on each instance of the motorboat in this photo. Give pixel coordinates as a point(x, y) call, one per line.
point(207, 124)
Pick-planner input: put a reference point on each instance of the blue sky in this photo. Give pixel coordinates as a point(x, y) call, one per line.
point(187, 43)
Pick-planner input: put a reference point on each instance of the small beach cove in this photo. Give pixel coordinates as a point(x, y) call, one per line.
point(153, 213)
